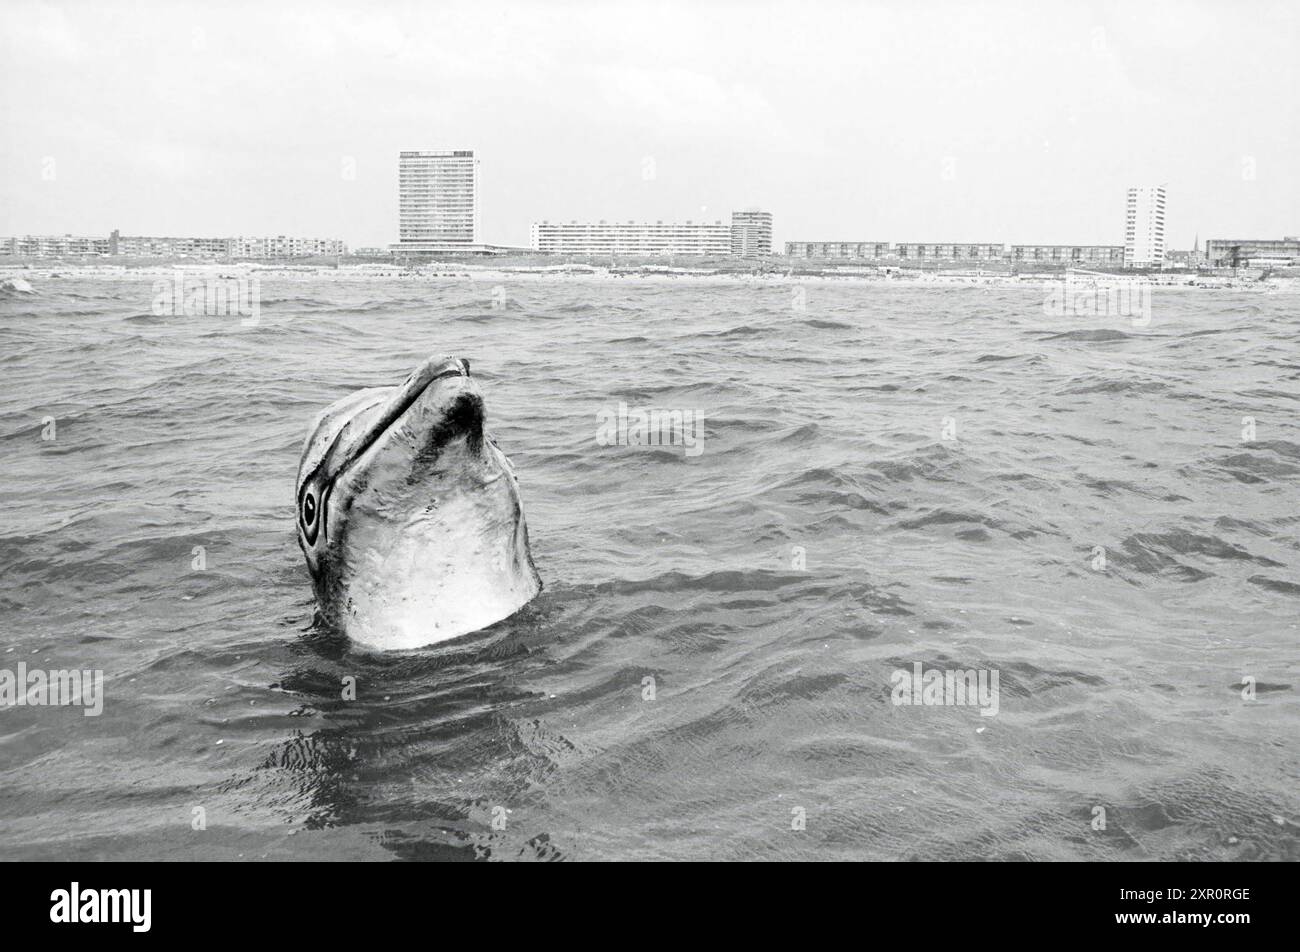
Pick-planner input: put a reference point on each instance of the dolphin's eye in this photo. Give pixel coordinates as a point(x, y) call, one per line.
point(313, 518)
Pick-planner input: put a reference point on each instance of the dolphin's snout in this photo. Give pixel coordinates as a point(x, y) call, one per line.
point(436, 368)
point(444, 403)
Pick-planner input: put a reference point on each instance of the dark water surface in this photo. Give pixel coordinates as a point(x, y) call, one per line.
point(1121, 688)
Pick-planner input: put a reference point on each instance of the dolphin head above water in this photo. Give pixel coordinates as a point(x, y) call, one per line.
point(409, 515)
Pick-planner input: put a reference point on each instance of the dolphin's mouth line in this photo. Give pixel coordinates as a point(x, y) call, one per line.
point(327, 468)
point(385, 422)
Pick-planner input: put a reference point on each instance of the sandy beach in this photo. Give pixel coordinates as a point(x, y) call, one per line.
point(792, 275)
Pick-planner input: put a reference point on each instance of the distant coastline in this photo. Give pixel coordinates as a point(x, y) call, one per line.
point(767, 271)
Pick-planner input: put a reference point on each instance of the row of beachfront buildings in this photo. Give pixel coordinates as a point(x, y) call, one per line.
point(438, 215)
point(438, 200)
point(136, 246)
point(748, 233)
point(1218, 253)
point(921, 252)
point(750, 236)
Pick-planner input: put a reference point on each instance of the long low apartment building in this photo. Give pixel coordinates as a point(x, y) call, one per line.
point(147, 246)
point(838, 249)
point(948, 252)
point(284, 246)
point(1110, 255)
point(922, 252)
point(632, 238)
point(276, 246)
point(53, 246)
point(906, 251)
point(1252, 252)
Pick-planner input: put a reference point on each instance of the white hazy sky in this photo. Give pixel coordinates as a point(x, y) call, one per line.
point(1017, 122)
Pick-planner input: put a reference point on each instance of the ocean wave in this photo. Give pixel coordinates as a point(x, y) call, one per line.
point(1094, 336)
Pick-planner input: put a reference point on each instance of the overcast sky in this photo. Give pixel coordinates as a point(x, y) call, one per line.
point(911, 121)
